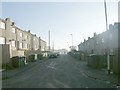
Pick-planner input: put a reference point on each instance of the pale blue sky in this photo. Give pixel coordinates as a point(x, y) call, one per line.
point(81, 19)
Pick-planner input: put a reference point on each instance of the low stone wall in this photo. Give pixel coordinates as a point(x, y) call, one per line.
point(0, 56)
point(32, 52)
point(4, 54)
point(116, 65)
point(100, 61)
point(97, 61)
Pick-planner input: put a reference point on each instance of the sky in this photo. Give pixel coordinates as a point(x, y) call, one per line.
point(81, 19)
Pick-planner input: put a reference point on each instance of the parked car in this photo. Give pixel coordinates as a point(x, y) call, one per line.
point(58, 54)
point(52, 55)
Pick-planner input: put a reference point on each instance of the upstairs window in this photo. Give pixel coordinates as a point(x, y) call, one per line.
point(97, 41)
point(35, 46)
point(2, 25)
point(2, 40)
point(21, 45)
point(13, 43)
point(26, 46)
point(111, 36)
point(13, 30)
point(21, 34)
point(34, 39)
point(102, 40)
point(88, 43)
point(26, 37)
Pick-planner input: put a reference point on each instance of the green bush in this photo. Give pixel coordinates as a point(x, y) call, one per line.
point(8, 66)
point(46, 58)
point(18, 61)
point(40, 56)
point(32, 58)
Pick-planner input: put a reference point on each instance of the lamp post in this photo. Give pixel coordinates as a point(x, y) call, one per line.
point(71, 39)
point(49, 39)
point(67, 44)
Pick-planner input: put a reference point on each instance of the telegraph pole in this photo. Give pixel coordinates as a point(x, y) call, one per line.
point(118, 59)
point(106, 15)
point(108, 56)
point(49, 39)
point(53, 46)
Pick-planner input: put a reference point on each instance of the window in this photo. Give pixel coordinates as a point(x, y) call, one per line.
point(13, 43)
point(21, 45)
point(21, 35)
point(26, 36)
point(13, 30)
point(92, 51)
point(26, 46)
point(97, 41)
point(88, 44)
point(2, 25)
point(2, 40)
point(110, 36)
point(34, 39)
point(102, 40)
point(105, 51)
point(42, 48)
point(35, 46)
point(111, 51)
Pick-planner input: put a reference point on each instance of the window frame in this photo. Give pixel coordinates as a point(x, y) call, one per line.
point(13, 43)
point(26, 36)
point(102, 40)
point(26, 45)
point(21, 34)
point(2, 40)
point(110, 36)
point(21, 45)
point(3, 25)
point(13, 30)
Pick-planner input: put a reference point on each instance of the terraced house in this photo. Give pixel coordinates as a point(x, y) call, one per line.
point(15, 42)
point(103, 44)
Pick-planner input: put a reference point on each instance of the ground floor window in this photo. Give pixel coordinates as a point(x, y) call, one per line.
point(21, 45)
point(2, 40)
point(13, 43)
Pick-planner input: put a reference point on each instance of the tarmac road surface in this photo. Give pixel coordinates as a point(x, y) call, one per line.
point(61, 72)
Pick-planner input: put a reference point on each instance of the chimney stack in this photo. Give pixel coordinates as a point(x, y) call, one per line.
point(28, 31)
point(13, 23)
point(88, 38)
point(84, 40)
point(94, 34)
point(7, 19)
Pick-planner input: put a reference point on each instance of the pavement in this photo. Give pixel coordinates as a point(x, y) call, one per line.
point(99, 74)
point(11, 73)
point(64, 67)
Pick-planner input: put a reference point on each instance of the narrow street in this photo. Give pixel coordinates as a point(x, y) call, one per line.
point(61, 72)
